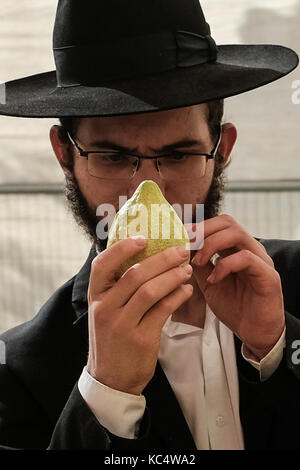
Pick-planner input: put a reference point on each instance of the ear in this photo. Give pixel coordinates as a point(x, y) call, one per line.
point(61, 150)
point(228, 139)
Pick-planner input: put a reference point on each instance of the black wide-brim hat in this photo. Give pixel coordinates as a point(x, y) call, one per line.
point(117, 57)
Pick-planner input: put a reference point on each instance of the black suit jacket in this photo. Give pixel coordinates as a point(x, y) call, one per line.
point(41, 407)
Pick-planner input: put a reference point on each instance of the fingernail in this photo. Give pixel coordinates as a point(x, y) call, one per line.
point(188, 269)
point(139, 240)
point(183, 251)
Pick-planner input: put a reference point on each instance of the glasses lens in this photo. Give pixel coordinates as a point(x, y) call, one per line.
point(122, 166)
point(112, 165)
point(182, 167)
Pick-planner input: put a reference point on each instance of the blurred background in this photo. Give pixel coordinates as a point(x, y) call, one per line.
point(40, 244)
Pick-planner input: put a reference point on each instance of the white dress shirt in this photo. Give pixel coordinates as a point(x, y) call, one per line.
point(201, 368)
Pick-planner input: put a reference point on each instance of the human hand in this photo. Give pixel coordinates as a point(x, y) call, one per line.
point(126, 316)
point(243, 289)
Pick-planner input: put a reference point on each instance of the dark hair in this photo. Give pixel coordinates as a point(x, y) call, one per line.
point(69, 124)
point(215, 110)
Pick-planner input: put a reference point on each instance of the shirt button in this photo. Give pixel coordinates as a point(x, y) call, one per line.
point(220, 421)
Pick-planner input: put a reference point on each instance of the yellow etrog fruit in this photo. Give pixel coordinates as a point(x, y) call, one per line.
point(148, 213)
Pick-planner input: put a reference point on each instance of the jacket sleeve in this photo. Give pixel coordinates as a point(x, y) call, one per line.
point(24, 425)
point(78, 428)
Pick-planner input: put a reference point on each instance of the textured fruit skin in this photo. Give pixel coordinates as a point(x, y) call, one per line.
point(139, 216)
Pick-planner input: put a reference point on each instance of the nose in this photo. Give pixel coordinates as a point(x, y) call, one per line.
point(147, 171)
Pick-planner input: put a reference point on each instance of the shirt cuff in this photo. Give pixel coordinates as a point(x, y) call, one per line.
point(270, 362)
point(119, 412)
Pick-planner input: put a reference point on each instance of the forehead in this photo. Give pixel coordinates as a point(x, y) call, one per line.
point(161, 126)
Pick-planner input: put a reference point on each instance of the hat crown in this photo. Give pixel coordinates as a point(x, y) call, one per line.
point(119, 57)
point(90, 21)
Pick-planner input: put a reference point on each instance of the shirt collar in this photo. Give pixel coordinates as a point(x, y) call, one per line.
point(173, 328)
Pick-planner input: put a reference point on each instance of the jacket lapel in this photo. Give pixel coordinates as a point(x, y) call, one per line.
point(80, 288)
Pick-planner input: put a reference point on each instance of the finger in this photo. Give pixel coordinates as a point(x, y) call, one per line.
point(201, 273)
point(216, 224)
point(220, 222)
point(196, 235)
point(210, 226)
point(105, 266)
point(199, 232)
point(144, 271)
point(228, 241)
point(152, 292)
point(156, 317)
point(258, 271)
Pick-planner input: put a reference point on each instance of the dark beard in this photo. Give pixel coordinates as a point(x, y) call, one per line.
point(215, 196)
point(83, 214)
point(87, 219)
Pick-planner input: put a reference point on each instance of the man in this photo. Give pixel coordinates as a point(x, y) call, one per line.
point(164, 357)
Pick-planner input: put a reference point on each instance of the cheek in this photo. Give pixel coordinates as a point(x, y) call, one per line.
point(190, 192)
point(97, 191)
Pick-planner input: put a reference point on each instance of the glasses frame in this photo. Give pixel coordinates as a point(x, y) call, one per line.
point(86, 153)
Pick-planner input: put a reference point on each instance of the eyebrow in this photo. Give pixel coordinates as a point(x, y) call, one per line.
point(183, 143)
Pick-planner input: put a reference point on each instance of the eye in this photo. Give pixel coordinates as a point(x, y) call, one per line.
point(177, 157)
point(114, 157)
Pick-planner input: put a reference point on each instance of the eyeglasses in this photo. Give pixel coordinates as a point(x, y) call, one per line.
point(122, 166)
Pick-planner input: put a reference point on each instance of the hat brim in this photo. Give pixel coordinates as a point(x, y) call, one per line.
point(239, 68)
